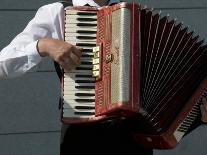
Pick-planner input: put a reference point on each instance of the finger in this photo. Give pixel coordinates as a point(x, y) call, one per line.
point(68, 66)
point(69, 63)
point(74, 59)
point(64, 60)
point(77, 51)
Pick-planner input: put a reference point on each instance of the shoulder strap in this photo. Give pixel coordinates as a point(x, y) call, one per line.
point(66, 3)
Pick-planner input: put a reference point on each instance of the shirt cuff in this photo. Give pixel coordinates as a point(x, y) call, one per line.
point(34, 57)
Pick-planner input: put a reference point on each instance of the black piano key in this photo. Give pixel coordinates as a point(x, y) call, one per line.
point(85, 100)
point(84, 68)
point(86, 19)
point(84, 81)
point(86, 24)
point(84, 31)
point(85, 44)
point(86, 63)
point(87, 50)
point(85, 87)
point(84, 94)
point(87, 13)
point(87, 56)
point(83, 76)
point(85, 37)
point(84, 107)
point(84, 113)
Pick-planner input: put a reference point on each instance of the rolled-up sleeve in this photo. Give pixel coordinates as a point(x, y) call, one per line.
point(21, 54)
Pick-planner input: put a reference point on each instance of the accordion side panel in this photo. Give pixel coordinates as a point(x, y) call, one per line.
point(120, 71)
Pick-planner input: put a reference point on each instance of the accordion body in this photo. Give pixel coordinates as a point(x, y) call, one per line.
point(137, 66)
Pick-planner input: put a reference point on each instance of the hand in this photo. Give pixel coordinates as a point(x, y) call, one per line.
point(65, 54)
point(203, 108)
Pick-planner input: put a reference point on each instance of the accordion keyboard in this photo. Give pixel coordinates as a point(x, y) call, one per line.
point(79, 84)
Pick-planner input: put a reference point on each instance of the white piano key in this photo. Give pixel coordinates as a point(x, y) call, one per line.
point(80, 82)
point(77, 76)
point(70, 26)
point(72, 84)
point(71, 113)
point(73, 75)
point(80, 91)
point(72, 97)
point(90, 44)
point(72, 106)
point(73, 79)
point(76, 71)
point(71, 103)
point(80, 75)
point(75, 21)
point(82, 71)
point(80, 30)
point(79, 110)
point(69, 16)
point(75, 12)
point(67, 80)
point(87, 42)
point(68, 89)
point(74, 41)
point(73, 33)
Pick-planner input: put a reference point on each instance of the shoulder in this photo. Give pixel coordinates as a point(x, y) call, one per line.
point(52, 9)
point(52, 6)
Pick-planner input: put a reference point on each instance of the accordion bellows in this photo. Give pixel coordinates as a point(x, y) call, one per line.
point(138, 66)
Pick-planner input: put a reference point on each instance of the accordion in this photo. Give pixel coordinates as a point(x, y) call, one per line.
point(137, 66)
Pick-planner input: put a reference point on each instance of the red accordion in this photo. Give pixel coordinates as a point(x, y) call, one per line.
point(136, 65)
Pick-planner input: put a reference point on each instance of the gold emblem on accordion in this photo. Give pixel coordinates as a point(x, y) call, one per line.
point(96, 61)
point(109, 58)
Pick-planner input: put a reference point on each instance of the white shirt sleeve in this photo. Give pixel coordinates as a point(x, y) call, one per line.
point(21, 54)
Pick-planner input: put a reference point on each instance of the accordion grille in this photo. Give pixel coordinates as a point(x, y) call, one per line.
point(121, 52)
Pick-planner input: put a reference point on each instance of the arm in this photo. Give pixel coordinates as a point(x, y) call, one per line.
point(67, 55)
point(43, 36)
